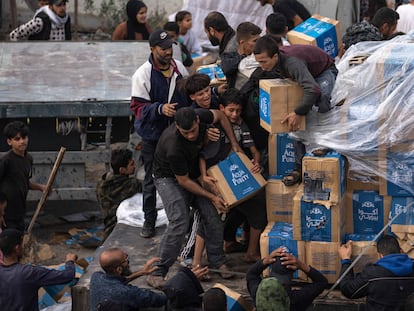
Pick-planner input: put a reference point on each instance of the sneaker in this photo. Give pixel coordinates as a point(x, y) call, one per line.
point(147, 231)
point(156, 281)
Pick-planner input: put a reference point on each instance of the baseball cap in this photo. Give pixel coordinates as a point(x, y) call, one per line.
point(160, 38)
point(281, 272)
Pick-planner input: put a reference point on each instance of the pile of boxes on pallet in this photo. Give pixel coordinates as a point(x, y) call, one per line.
point(312, 219)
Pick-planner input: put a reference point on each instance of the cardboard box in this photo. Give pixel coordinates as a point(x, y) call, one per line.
point(279, 200)
point(324, 257)
point(277, 234)
point(405, 222)
point(370, 212)
point(359, 243)
point(397, 166)
point(278, 98)
point(319, 31)
point(317, 222)
point(330, 171)
point(406, 241)
point(215, 73)
point(235, 182)
point(281, 154)
point(235, 301)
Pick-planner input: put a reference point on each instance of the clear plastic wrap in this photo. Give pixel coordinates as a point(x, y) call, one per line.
point(374, 127)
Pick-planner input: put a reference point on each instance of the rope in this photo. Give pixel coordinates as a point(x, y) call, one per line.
point(191, 239)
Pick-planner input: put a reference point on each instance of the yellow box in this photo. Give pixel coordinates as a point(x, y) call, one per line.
point(278, 98)
point(319, 31)
point(235, 181)
point(279, 200)
point(323, 256)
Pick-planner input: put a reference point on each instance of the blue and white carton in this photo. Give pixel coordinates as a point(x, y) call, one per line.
point(281, 154)
point(235, 181)
point(368, 212)
point(319, 31)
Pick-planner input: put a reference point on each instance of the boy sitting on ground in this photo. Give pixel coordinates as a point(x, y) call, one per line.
point(117, 186)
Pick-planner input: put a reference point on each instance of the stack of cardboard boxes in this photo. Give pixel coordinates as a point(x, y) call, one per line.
point(312, 219)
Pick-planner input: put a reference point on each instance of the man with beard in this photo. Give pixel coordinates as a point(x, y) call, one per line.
point(220, 33)
point(294, 11)
point(155, 99)
point(19, 283)
point(109, 290)
point(49, 23)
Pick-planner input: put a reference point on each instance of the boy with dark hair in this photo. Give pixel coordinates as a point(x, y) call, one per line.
point(189, 38)
point(200, 92)
point(246, 34)
point(117, 186)
point(173, 30)
point(214, 299)
point(20, 284)
point(386, 284)
point(16, 173)
point(254, 210)
point(276, 24)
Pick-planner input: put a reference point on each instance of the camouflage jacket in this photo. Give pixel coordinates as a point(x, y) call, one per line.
point(111, 190)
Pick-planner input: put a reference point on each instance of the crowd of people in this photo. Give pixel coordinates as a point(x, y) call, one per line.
point(187, 126)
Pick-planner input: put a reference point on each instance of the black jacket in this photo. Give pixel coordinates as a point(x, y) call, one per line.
point(386, 284)
point(300, 299)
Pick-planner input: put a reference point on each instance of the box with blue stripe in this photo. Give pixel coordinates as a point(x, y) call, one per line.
point(235, 301)
point(235, 182)
point(281, 154)
point(322, 221)
point(319, 31)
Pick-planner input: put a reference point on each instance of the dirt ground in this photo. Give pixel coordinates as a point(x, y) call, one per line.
point(52, 228)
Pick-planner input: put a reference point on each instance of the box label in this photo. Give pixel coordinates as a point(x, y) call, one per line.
point(285, 154)
point(316, 222)
point(238, 176)
point(264, 105)
point(213, 71)
point(324, 33)
point(402, 205)
point(400, 174)
point(368, 212)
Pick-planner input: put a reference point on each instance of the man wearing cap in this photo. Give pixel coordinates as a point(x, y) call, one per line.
point(19, 284)
point(154, 100)
point(282, 266)
point(51, 22)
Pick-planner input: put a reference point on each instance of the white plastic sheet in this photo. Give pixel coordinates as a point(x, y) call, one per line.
point(374, 128)
point(130, 212)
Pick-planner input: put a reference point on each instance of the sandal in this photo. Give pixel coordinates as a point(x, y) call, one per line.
point(293, 178)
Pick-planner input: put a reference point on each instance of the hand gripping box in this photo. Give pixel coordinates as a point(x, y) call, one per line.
point(359, 243)
point(281, 154)
point(279, 199)
point(323, 221)
point(278, 234)
point(278, 98)
point(215, 73)
point(235, 181)
point(319, 31)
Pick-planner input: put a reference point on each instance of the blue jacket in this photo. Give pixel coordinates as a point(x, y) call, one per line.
point(112, 288)
point(386, 284)
point(150, 91)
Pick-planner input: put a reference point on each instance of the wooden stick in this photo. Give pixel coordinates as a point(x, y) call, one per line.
point(46, 192)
